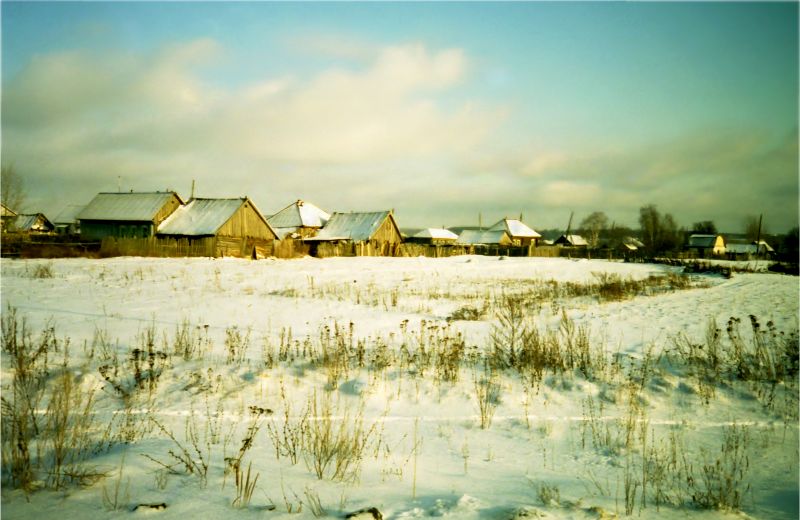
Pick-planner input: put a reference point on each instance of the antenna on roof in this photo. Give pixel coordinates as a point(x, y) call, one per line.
point(569, 225)
point(191, 197)
point(520, 216)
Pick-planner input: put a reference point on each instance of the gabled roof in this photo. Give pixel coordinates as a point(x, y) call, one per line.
point(437, 233)
point(7, 212)
point(573, 240)
point(739, 248)
point(632, 241)
point(299, 214)
point(33, 222)
point(515, 229)
point(477, 237)
point(201, 217)
point(702, 240)
point(358, 227)
point(68, 215)
point(134, 206)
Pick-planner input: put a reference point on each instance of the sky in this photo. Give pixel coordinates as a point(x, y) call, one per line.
point(444, 112)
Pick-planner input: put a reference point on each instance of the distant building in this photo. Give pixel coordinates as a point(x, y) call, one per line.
point(134, 214)
point(228, 227)
point(32, 223)
point(745, 250)
point(299, 219)
point(66, 221)
point(571, 241)
point(476, 237)
point(434, 236)
point(706, 244)
point(377, 229)
point(520, 234)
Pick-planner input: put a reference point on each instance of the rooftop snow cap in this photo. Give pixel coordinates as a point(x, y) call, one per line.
point(299, 214)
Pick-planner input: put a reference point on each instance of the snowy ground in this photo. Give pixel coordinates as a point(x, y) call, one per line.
point(644, 434)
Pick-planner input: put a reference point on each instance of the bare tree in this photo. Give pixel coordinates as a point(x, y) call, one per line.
point(705, 227)
point(593, 225)
point(12, 188)
point(659, 233)
point(751, 227)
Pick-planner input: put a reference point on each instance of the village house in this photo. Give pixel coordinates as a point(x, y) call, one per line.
point(705, 245)
point(520, 234)
point(358, 233)
point(219, 227)
point(299, 219)
point(32, 223)
point(748, 250)
point(134, 214)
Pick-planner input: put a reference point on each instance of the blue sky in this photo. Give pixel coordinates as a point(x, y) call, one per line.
point(438, 110)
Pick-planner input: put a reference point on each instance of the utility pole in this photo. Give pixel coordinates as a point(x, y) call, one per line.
point(191, 197)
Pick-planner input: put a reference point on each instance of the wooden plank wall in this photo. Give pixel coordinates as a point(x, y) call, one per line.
point(246, 222)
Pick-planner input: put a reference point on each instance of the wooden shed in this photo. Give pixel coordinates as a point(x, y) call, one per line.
point(218, 227)
point(299, 219)
point(520, 234)
point(134, 214)
point(361, 233)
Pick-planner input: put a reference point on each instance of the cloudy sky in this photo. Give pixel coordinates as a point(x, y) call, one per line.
point(438, 110)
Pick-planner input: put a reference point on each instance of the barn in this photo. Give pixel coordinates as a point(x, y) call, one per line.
point(218, 227)
point(299, 219)
point(66, 221)
point(358, 234)
point(122, 215)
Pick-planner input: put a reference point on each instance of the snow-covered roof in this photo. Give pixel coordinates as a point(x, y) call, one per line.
point(134, 206)
point(632, 241)
point(573, 240)
point(515, 229)
point(69, 214)
point(299, 214)
point(200, 217)
point(437, 233)
point(476, 237)
point(702, 240)
point(749, 248)
point(352, 226)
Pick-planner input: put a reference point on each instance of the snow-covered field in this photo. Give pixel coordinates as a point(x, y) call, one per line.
point(420, 387)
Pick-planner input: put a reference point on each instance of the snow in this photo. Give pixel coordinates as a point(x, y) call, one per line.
point(434, 460)
point(476, 236)
point(438, 233)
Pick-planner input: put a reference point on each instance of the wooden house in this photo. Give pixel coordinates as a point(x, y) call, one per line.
point(360, 233)
point(434, 236)
point(520, 234)
point(219, 227)
point(298, 220)
point(32, 223)
point(134, 214)
point(66, 221)
point(571, 241)
point(7, 215)
point(706, 244)
point(747, 250)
